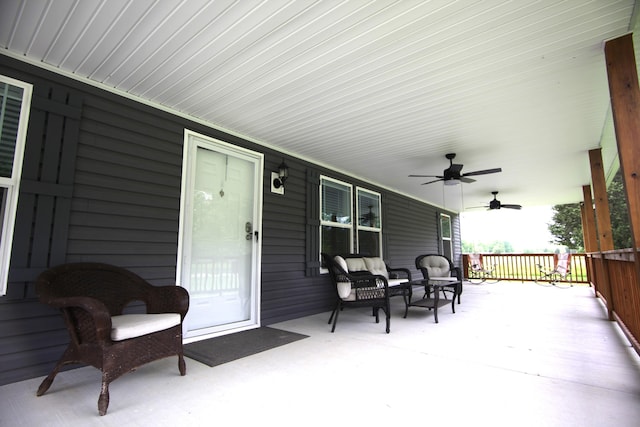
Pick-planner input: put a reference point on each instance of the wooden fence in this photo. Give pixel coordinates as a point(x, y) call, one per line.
point(616, 281)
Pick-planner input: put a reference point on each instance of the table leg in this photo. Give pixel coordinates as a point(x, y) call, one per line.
point(436, 291)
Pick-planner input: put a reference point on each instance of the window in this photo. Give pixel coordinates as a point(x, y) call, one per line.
point(336, 226)
point(445, 230)
point(15, 101)
point(369, 223)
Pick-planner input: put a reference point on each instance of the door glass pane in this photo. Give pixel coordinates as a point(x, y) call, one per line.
point(220, 279)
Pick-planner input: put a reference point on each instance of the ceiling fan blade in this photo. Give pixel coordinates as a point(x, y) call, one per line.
point(483, 172)
point(431, 182)
point(511, 206)
point(467, 180)
point(426, 176)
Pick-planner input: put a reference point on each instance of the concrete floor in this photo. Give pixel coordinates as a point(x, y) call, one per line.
point(513, 354)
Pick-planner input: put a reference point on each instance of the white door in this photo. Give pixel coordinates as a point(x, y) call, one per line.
point(220, 223)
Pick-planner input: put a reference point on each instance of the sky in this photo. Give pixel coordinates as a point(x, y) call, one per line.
point(525, 229)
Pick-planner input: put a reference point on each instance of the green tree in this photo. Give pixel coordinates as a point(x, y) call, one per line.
point(620, 227)
point(566, 225)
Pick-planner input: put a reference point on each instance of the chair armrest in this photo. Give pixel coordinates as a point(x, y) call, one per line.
point(168, 299)
point(396, 273)
point(457, 271)
point(94, 308)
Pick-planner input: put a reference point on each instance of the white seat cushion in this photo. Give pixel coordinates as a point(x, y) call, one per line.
point(376, 266)
point(356, 264)
point(345, 291)
point(396, 282)
point(134, 325)
point(341, 262)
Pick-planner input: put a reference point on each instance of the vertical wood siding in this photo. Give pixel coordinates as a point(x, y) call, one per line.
point(102, 183)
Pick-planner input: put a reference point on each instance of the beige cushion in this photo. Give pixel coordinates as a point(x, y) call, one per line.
point(344, 289)
point(395, 282)
point(376, 266)
point(341, 262)
point(346, 292)
point(134, 325)
point(437, 266)
point(356, 264)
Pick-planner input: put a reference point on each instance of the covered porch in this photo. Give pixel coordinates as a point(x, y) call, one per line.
point(512, 354)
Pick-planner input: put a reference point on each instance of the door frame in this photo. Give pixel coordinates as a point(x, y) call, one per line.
point(188, 172)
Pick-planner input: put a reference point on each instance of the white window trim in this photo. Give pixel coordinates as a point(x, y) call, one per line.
point(447, 239)
point(12, 184)
point(337, 224)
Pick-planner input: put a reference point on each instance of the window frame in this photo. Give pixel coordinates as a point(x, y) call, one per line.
point(11, 185)
point(325, 223)
point(446, 238)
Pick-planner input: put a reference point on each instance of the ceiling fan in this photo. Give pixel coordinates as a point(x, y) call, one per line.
point(495, 203)
point(452, 175)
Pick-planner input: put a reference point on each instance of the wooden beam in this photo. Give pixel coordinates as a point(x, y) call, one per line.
point(603, 215)
point(589, 232)
point(625, 105)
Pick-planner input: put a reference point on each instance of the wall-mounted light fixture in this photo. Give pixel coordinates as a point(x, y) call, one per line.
point(283, 174)
point(278, 178)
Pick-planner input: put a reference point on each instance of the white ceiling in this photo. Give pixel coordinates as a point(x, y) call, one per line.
point(377, 89)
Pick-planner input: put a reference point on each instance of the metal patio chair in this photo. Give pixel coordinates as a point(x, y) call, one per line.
point(478, 272)
point(560, 275)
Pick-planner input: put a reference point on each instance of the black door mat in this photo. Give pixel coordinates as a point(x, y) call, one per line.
point(219, 350)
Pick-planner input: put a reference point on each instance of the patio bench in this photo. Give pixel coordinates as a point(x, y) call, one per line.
point(364, 281)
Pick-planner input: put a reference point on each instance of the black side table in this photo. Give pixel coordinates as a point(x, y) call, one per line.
point(435, 286)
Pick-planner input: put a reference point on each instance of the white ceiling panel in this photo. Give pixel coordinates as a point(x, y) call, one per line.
point(378, 89)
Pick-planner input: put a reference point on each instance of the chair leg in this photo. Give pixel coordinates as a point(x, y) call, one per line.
point(67, 357)
point(182, 366)
point(333, 313)
point(46, 383)
point(387, 313)
point(103, 400)
point(335, 318)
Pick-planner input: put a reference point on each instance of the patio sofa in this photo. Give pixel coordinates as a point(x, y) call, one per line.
point(363, 281)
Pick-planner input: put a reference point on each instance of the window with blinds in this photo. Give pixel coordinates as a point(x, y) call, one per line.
point(15, 101)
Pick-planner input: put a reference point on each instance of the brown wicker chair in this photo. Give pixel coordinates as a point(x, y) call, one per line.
point(92, 298)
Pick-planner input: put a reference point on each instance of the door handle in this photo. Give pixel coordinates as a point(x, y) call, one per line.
point(248, 228)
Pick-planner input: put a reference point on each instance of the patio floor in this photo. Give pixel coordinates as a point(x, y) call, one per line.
point(512, 354)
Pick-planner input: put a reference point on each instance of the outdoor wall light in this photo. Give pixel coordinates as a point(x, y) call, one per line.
point(283, 174)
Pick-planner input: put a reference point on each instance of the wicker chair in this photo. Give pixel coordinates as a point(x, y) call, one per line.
point(434, 266)
point(357, 290)
point(92, 298)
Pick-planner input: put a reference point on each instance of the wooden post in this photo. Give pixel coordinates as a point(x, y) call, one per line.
point(589, 231)
point(625, 105)
point(603, 215)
